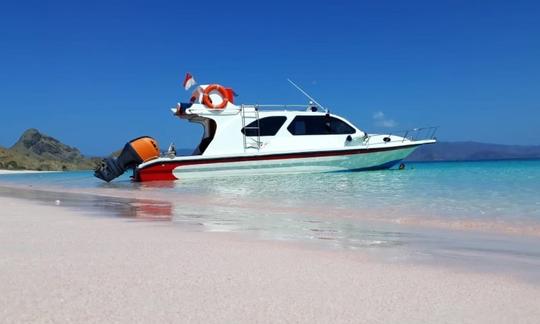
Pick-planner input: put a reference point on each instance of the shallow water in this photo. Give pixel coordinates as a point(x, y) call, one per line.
point(482, 214)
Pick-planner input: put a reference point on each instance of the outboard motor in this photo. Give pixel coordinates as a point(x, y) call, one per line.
point(135, 152)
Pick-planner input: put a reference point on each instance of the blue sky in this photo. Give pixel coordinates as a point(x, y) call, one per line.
point(96, 74)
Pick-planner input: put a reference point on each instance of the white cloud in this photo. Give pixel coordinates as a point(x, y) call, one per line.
point(378, 115)
point(381, 120)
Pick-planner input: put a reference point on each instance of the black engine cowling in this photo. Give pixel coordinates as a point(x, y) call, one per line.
point(135, 152)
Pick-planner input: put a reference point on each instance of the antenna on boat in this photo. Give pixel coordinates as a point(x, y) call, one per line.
point(306, 94)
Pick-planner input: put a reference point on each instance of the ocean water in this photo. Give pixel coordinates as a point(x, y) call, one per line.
point(483, 214)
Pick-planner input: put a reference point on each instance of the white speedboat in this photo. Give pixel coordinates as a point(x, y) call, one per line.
point(263, 139)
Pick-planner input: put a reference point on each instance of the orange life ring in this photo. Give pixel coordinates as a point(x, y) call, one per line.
point(224, 95)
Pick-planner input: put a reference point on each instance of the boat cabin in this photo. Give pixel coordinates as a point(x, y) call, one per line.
point(265, 129)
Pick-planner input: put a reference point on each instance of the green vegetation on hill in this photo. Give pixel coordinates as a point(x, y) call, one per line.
point(37, 151)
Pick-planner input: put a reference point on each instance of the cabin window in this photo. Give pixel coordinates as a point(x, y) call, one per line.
point(319, 125)
point(268, 126)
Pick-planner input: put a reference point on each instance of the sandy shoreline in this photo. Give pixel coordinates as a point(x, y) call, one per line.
point(59, 266)
point(24, 171)
point(505, 227)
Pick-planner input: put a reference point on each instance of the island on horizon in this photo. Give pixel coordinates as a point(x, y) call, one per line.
point(37, 151)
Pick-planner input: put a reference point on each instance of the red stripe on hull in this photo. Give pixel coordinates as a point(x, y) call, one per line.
point(163, 170)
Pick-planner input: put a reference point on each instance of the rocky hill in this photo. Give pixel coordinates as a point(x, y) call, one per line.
point(37, 151)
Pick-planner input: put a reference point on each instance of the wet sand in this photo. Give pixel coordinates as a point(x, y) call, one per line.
point(414, 218)
point(60, 265)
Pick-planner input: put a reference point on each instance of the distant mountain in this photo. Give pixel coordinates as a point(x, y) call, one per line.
point(473, 151)
point(37, 151)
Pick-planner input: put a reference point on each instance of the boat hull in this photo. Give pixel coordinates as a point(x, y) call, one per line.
point(305, 162)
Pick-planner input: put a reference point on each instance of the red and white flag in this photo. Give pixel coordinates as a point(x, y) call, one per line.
point(189, 81)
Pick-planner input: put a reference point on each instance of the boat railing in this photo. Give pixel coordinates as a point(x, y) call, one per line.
point(414, 134)
point(422, 133)
point(295, 107)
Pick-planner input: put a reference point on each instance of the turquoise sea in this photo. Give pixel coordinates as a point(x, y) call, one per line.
point(485, 215)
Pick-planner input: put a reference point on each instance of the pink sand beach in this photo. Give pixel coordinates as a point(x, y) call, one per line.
point(59, 265)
